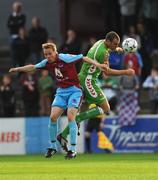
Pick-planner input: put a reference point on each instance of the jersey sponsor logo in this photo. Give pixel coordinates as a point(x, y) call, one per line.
point(58, 73)
point(88, 83)
point(92, 69)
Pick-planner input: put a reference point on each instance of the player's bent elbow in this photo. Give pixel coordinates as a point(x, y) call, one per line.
point(106, 108)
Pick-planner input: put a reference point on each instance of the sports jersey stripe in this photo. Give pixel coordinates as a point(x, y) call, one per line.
point(97, 50)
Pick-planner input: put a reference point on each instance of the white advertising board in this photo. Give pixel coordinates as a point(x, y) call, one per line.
point(12, 136)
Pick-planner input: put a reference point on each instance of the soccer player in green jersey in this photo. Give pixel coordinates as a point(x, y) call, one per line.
point(88, 79)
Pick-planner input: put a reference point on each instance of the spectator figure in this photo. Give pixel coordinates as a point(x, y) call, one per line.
point(150, 16)
point(134, 60)
point(37, 35)
point(45, 84)
point(128, 100)
point(16, 20)
point(147, 46)
point(154, 58)
point(151, 83)
point(30, 94)
point(7, 95)
point(97, 125)
point(128, 14)
point(72, 44)
point(21, 48)
point(91, 42)
point(116, 60)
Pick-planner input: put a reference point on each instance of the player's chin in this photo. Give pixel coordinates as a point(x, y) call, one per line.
point(49, 60)
point(113, 48)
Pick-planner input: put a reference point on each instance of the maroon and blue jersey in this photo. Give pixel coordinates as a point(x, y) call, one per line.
point(63, 69)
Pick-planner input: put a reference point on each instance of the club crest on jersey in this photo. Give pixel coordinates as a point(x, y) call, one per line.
point(58, 73)
point(88, 83)
point(92, 69)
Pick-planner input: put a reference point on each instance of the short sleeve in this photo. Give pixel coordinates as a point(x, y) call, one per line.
point(42, 64)
point(69, 58)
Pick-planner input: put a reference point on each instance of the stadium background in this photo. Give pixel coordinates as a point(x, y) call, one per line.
point(21, 135)
point(59, 16)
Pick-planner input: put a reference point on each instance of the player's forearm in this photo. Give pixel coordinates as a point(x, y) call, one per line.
point(114, 72)
point(27, 68)
point(90, 61)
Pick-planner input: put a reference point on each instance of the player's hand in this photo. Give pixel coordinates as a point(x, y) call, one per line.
point(130, 72)
point(13, 70)
point(119, 50)
point(103, 67)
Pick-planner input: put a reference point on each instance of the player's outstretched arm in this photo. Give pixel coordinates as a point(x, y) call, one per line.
point(102, 67)
point(27, 68)
point(114, 72)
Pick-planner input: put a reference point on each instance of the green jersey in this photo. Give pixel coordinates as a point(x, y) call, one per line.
point(98, 52)
point(89, 73)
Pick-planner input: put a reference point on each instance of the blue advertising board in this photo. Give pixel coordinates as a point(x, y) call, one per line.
point(37, 136)
point(140, 137)
point(36, 132)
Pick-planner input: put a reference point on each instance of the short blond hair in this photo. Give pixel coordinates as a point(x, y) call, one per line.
point(49, 45)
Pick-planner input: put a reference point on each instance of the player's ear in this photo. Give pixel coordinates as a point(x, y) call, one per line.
point(107, 40)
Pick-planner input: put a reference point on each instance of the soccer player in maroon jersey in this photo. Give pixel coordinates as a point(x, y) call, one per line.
point(68, 95)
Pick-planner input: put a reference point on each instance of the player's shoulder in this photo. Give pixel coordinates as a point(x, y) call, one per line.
point(97, 46)
point(63, 55)
point(98, 43)
point(41, 64)
point(44, 61)
point(68, 58)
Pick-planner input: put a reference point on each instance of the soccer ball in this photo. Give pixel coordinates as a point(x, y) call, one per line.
point(130, 45)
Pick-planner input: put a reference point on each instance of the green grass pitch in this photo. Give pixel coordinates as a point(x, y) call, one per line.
point(83, 167)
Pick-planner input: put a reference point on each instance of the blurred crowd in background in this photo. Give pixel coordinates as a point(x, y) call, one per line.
point(31, 94)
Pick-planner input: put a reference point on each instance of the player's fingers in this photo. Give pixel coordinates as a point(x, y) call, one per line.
point(105, 67)
point(131, 72)
point(10, 70)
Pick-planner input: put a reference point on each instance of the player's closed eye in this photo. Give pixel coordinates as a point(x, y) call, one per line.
point(48, 54)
